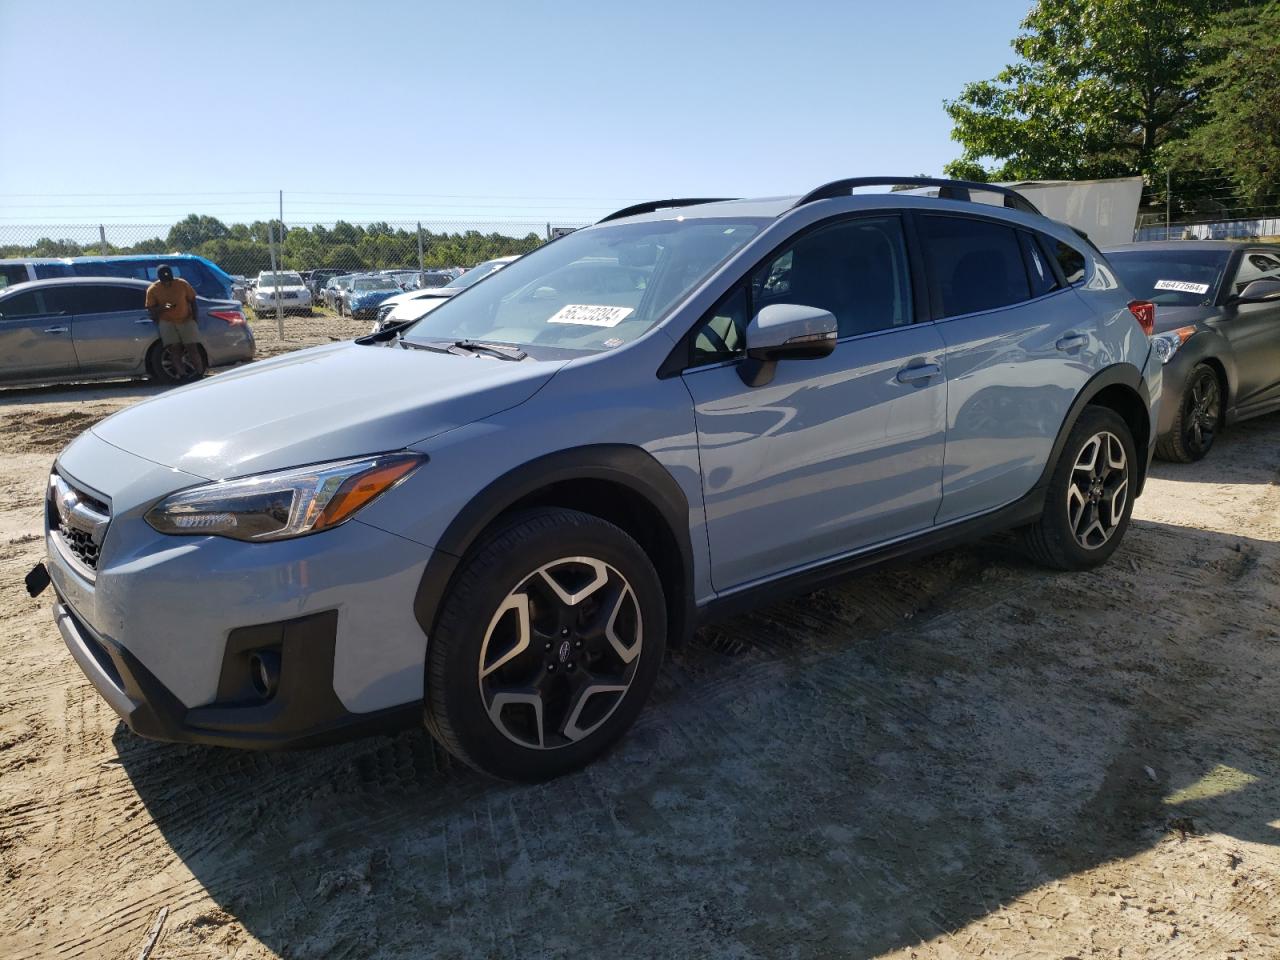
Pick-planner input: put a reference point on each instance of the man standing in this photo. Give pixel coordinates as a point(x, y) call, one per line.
point(172, 304)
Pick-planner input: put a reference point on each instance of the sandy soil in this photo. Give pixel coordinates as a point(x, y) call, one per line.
point(959, 757)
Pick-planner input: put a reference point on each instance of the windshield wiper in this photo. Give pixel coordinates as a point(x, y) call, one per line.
point(416, 345)
point(501, 351)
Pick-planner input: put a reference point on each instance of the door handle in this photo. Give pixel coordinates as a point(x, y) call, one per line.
point(1072, 341)
point(919, 373)
point(147, 320)
point(55, 329)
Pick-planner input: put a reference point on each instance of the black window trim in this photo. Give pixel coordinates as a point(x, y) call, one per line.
point(680, 359)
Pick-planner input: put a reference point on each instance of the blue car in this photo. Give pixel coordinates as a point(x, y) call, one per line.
point(210, 280)
point(362, 298)
point(495, 519)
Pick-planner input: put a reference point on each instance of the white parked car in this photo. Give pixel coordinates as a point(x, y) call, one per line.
point(285, 285)
point(418, 303)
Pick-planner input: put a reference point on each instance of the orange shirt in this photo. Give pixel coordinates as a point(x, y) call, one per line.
point(177, 297)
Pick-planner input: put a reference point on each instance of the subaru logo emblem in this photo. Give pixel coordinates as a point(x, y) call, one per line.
point(564, 651)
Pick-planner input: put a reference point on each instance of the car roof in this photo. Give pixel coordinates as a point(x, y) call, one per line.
point(81, 281)
point(1190, 245)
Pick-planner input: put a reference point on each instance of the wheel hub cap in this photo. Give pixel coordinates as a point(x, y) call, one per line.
point(560, 653)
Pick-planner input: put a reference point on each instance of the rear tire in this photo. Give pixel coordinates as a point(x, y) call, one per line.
point(160, 371)
point(1090, 496)
point(1199, 418)
point(546, 647)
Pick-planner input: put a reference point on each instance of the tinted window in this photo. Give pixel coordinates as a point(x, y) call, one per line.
point(1043, 280)
point(12, 273)
point(21, 305)
point(720, 335)
point(92, 298)
point(857, 270)
point(1070, 260)
point(1256, 266)
point(976, 264)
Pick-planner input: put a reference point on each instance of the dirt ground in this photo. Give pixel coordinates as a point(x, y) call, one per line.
point(958, 757)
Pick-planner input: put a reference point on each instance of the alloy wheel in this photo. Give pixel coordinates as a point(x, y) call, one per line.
point(1098, 490)
point(560, 653)
point(171, 371)
point(1203, 409)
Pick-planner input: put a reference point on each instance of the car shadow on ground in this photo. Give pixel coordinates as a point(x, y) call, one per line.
point(80, 392)
point(1223, 462)
point(842, 774)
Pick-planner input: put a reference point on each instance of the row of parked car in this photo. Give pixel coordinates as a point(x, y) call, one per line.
point(494, 517)
point(354, 294)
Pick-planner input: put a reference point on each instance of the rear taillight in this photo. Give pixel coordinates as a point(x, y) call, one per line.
point(1144, 311)
point(233, 318)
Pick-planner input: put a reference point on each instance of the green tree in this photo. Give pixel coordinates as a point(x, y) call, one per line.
point(1100, 87)
point(1241, 130)
point(193, 230)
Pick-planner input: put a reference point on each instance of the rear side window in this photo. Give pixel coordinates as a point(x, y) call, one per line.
point(1039, 272)
point(104, 298)
point(976, 264)
point(1070, 260)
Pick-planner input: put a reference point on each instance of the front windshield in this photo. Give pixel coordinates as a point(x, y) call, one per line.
point(374, 283)
point(279, 280)
point(591, 290)
point(1171, 277)
point(478, 272)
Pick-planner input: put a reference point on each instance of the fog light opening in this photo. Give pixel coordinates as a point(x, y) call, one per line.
point(264, 669)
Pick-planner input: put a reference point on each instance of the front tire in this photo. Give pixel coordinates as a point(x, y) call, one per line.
point(546, 647)
point(1090, 496)
point(1198, 420)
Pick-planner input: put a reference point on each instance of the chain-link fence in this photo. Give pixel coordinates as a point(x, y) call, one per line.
point(420, 253)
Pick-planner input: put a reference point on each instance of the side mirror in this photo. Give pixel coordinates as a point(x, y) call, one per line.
point(785, 331)
point(1259, 291)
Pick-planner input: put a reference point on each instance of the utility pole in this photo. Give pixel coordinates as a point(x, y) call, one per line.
point(421, 263)
point(1168, 200)
point(271, 244)
point(102, 235)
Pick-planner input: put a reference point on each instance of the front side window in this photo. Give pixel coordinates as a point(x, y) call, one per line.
point(1256, 266)
point(976, 264)
point(592, 290)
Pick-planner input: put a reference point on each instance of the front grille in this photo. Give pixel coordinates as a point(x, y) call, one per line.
point(78, 519)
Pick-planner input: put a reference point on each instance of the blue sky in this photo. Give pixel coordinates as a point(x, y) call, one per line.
point(133, 112)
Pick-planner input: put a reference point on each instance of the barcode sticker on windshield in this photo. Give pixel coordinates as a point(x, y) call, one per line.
point(587, 315)
point(1182, 286)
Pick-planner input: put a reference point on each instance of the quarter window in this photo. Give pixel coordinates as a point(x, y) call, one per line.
point(720, 335)
point(1070, 260)
point(976, 264)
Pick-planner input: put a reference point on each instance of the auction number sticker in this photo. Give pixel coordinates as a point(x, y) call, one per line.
point(1182, 286)
point(584, 314)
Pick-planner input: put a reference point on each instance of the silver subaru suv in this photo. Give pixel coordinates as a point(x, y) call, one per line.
point(496, 518)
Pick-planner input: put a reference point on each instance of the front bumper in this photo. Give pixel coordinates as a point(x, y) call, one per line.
point(303, 711)
point(164, 626)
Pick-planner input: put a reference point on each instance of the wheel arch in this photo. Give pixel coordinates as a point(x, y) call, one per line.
point(1119, 388)
point(619, 483)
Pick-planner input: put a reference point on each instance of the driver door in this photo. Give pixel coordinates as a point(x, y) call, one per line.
point(1253, 330)
point(835, 454)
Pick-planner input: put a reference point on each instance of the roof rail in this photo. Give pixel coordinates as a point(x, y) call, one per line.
point(649, 206)
point(947, 190)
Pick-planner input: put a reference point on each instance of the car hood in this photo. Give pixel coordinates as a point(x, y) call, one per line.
point(1171, 318)
point(326, 403)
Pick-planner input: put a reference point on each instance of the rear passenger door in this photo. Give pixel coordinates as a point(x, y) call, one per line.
point(35, 338)
point(834, 454)
point(111, 327)
point(1019, 347)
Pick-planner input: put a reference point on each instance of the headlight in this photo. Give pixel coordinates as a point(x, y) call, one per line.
point(1166, 344)
point(276, 506)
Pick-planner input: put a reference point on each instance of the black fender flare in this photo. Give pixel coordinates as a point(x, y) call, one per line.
point(622, 464)
point(1119, 374)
